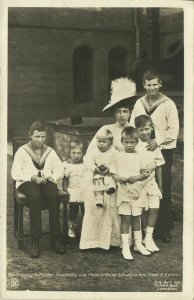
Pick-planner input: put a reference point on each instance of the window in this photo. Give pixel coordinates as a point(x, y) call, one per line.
point(117, 63)
point(82, 68)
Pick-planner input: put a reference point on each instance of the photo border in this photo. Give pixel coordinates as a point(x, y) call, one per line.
point(188, 236)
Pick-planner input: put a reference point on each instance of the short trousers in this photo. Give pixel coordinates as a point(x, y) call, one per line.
point(125, 208)
point(153, 202)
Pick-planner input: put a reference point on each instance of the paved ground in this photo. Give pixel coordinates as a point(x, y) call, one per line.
point(90, 270)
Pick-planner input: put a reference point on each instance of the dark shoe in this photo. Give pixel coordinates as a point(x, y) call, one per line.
point(57, 246)
point(99, 205)
point(99, 202)
point(110, 191)
point(35, 249)
point(166, 237)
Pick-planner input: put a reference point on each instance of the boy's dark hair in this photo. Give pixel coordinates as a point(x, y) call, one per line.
point(142, 120)
point(151, 74)
point(76, 143)
point(129, 131)
point(37, 125)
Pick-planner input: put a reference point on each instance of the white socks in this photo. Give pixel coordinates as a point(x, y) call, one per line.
point(148, 240)
point(125, 249)
point(138, 243)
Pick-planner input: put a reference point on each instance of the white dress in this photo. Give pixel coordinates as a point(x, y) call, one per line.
point(95, 158)
point(101, 226)
point(74, 173)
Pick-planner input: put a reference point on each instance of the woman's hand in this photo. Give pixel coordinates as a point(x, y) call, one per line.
point(122, 180)
point(38, 180)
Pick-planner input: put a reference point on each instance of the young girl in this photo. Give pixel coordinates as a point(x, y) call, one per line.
point(152, 160)
point(99, 162)
point(131, 195)
point(74, 170)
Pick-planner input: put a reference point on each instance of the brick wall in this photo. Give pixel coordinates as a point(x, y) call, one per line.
point(40, 61)
point(41, 42)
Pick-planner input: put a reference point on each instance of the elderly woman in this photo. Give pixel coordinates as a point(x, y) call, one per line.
point(101, 226)
point(35, 169)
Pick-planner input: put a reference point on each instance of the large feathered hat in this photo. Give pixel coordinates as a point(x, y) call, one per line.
point(122, 92)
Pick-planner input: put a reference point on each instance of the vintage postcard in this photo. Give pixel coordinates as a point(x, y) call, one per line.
point(86, 216)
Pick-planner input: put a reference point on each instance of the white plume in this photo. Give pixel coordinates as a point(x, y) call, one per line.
point(122, 88)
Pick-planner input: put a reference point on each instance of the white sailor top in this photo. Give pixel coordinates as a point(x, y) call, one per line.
point(25, 165)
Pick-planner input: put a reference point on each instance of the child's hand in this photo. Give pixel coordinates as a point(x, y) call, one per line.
point(50, 179)
point(132, 179)
point(151, 145)
point(38, 180)
point(145, 171)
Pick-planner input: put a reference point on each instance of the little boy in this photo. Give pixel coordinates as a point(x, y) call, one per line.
point(166, 127)
point(131, 195)
point(152, 160)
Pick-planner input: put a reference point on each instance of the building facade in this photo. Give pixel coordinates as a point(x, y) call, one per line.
point(61, 60)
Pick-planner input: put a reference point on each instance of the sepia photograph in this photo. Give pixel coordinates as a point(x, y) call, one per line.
point(98, 105)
